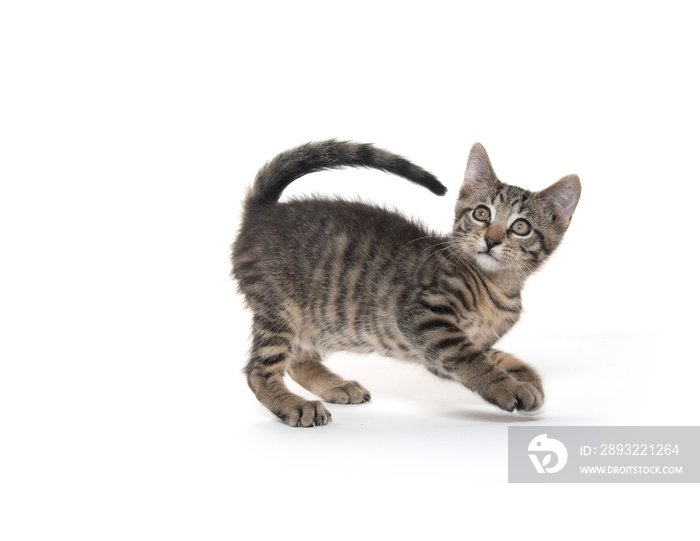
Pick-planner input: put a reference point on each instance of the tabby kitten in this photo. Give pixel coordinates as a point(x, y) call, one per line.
point(324, 275)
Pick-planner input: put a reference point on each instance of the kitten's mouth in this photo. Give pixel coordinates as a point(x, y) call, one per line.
point(488, 262)
point(488, 254)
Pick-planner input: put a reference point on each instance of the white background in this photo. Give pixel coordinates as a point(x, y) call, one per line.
point(128, 133)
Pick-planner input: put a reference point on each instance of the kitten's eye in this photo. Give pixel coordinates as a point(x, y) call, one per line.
point(482, 214)
point(521, 227)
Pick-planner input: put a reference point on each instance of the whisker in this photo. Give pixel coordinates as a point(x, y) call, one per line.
point(431, 246)
point(455, 252)
point(419, 238)
point(431, 255)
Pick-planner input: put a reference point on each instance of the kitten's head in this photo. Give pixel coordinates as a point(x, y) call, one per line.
point(504, 228)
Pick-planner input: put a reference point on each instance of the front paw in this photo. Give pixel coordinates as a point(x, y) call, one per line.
point(528, 375)
point(304, 413)
point(517, 369)
point(350, 392)
point(510, 394)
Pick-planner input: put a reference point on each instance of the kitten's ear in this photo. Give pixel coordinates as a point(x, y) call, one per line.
point(479, 171)
point(562, 198)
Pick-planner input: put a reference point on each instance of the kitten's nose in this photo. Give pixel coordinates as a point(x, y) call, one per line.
point(491, 242)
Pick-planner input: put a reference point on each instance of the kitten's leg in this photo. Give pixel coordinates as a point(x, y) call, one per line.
point(309, 372)
point(517, 369)
point(268, 362)
point(478, 371)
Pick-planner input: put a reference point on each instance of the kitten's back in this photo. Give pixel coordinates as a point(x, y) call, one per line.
point(305, 242)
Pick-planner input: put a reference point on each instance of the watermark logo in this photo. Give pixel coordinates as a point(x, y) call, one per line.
point(546, 447)
point(603, 454)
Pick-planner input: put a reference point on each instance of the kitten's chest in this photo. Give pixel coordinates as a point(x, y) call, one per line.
point(486, 323)
point(485, 311)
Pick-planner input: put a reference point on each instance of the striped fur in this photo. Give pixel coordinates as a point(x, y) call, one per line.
point(323, 275)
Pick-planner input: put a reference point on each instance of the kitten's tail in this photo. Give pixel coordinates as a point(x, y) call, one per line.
point(292, 164)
